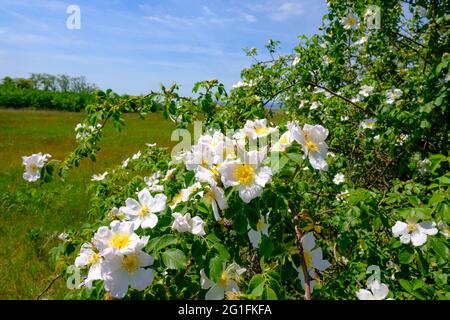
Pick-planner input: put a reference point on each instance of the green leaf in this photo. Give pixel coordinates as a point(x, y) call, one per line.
point(269, 294)
point(423, 264)
point(440, 248)
point(240, 223)
point(266, 246)
point(444, 211)
point(216, 268)
point(174, 259)
point(256, 286)
point(405, 284)
point(406, 255)
point(158, 243)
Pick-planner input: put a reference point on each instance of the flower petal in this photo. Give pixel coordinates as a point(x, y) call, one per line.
point(364, 294)
point(141, 279)
point(418, 238)
point(308, 241)
point(149, 221)
point(215, 293)
point(400, 228)
point(428, 227)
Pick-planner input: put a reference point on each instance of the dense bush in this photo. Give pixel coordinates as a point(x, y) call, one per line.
point(363, 168)
point(47, 100)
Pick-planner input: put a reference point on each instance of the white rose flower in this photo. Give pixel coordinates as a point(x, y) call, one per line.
point(228, 282)
point(262, 228)
point(312, 140)
point(142, 213)
point(339, 178)
point(249, 179)
point(368, 123)
point(33, 165)
point(377, 291)
point(99, 177)
point(414, 232)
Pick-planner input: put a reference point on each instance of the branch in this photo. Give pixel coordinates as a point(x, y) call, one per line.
point(339, 96)
point(49, 286)
point(298, 237)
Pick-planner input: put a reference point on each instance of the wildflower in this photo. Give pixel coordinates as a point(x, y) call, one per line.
point(123, 270)
point(424, 165)
point(118, 238)
point(350, 21)
point(285, 141)
point(88, 256)
point(216, 197)
point(142, 213)
point(257, 129)
point(136, 155)
point(368, 123)
point(361, 40)
point(228, 282)
point(33, 165)
point(262, 227)
point(313, 259)
point(99, 177)
point(125, 163)
point(187, 224)
point(444, 228)
point(339, 178)
point(249, 178)
point(314, 105)
point(312, 140)
point(365, 90)
point(377, 291)
point(169, 174)
point(393, 95)
point(184, 194)
point(414, 232)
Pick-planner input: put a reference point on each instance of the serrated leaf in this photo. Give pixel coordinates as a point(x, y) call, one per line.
point(406, 255)
point(269, 294)
point(158, 243)
point(174, 259)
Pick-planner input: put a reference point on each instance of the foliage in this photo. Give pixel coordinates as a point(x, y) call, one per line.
point(382, 93)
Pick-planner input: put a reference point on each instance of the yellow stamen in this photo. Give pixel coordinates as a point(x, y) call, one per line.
point(411, 227)
point(261, 130)
point(94, 258)
point(119, 240)
point(143, 211)
point(311, 146)
point(284, 140)
point(224, 279)
point(260, 225)
point(245, 173)
point(130, 263)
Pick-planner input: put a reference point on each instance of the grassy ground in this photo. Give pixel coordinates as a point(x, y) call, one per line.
point(32, 217)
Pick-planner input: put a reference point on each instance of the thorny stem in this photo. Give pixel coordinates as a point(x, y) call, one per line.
point(298, 237)
point(49, 286)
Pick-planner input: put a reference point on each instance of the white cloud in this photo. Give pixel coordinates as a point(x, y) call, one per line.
point(286, 10)
point(172, 21)
point(249, 18)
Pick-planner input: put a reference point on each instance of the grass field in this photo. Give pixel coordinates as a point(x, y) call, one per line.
point(30, 221)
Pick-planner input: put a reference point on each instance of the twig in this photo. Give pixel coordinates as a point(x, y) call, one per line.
point(298, 237)
point(339, 96)
point(49, 286)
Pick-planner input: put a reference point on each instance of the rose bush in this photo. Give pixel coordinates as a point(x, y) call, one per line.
point(352, 178)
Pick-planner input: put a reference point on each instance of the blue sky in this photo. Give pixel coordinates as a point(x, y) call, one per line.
point(133, 46)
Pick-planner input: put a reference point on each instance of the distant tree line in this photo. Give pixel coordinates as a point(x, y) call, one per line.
point(46, 91)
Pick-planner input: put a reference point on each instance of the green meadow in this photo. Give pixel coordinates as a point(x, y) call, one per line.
point(33, 215)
